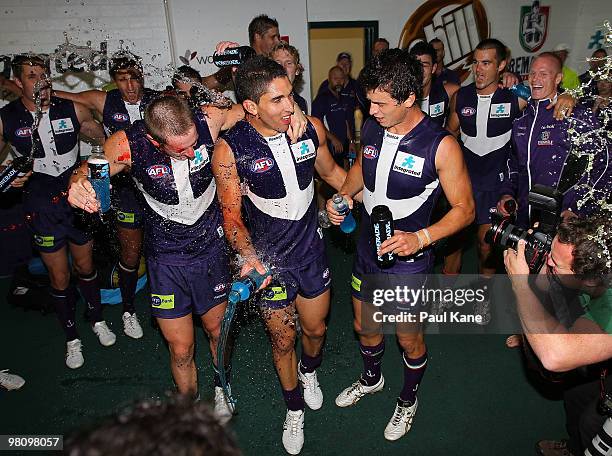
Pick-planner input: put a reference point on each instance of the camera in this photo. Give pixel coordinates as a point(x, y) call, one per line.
point(545, 207)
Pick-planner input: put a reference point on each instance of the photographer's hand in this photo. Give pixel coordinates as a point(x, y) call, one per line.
point(516, 263)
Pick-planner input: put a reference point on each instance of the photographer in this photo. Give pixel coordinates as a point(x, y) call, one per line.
point(579, 259)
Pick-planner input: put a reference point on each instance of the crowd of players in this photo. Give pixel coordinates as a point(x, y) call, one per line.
point(211, 185)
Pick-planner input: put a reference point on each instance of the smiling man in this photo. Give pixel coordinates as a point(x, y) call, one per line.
point(168, 155)
point(258, 170)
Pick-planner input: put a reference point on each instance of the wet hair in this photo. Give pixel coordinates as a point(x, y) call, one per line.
point(185, 72)
point(395, 71)
point(600, 51)
point(284, 46)
point(167, 116)
point(592, 242)
point(554, 57)
point(156, 427)
point(423, 48)
point(21, 60)
point(254, 76)
point(501, 51)
point(132, 64)
point(260, 25)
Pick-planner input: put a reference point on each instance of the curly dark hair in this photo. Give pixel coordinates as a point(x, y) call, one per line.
point(423, 48)
point(174, 427)
point(395, 71)
point(592, 243)
point(254, 76)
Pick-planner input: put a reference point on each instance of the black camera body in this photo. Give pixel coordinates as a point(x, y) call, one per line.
point(545, 206)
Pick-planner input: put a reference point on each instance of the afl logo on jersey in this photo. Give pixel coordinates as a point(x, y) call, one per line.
point(23, 132)
point(468, 111)
point(158, 171)
point(370, 152)
point(120, 117)
point(262, 165)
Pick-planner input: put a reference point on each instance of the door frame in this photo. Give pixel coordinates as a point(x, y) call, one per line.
point(370, 29)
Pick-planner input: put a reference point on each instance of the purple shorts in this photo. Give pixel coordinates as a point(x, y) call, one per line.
point(485, 203)
point(309, 281)
point(52, 229)
point(177, 291)
point(125, 199)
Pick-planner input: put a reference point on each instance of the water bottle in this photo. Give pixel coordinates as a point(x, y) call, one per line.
point(243, 288)
point(521, 91)
point(341, 206)
point(233, 56)
point(99, 176)
point(19, 168)
point(382, 227)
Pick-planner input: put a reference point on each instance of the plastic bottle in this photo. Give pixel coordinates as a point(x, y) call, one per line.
point(323, 219)
point(382, 227)
point(19, 168)
point(233, 56)
point(243, 288)
point(341, 206)
point(521, 91)
point(99, 176)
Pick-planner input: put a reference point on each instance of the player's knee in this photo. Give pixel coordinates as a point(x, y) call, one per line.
point(182, 353)
point(60, 280)
point(412, 346)
point(357, 326)
point(283, 344)
point(316, 331)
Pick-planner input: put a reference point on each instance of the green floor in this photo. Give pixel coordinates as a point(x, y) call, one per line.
point(474, 400)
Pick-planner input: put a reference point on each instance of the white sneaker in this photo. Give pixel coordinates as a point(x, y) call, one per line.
point(10, 381)
point(105, 335)
point(131, 325)
point(401, 421)
point(293, 431)
point(74, 354)
point(356, 391)
point(223, 409)
point(313, 396)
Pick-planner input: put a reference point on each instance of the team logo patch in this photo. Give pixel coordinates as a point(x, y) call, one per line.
point(23, 132)
point(158, 171)
point(262, 165)
point(62, 126)
point(436, 110)
point(120, 117)
point(303, 150)
point(220, 231)
point(544, 139)
point(499, 110)
point(370, 152)
point(468, 111)
point(159, 301)
point(200, 160)
point(409, 164)
point(219, 287)
point(534, 26)
point(326, 273)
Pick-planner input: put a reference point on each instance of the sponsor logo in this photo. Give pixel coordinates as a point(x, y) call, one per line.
point(275, 294)
point(499, 110)
point(200, 159)
point(159, 301)
point(262, 165)
point(303, 150)
point(544, 139)
point(409, 164)
point(533, 26)
point(158, 171)
point(437, 109)
point(23, 132)
point(468, 111)
point(126, 217)
point(219, 287)
point(44, 241)
point(120, 117)
point(460, 24)
point(62, 126)
point(370, 152)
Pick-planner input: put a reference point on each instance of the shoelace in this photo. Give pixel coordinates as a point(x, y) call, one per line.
point(74, 349)
point(292, 421)
point(131, 321)
point(4, 375)
point(399, 415)
point(311, 383)
point(356, 386)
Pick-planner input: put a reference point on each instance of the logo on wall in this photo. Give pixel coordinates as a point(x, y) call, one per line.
point(188, 57)
point(534, 26)
point(459, 24)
